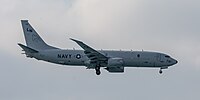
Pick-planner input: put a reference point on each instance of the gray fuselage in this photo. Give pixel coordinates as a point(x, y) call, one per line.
point(130, 58)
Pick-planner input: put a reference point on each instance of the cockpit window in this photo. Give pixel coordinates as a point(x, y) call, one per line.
point(167, 56)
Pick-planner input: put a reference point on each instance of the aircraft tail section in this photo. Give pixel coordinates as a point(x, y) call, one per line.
point(33, 40)
point(27, 49)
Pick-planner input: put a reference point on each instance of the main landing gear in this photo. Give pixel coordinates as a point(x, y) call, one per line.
point(98, 72)
point(160, 71)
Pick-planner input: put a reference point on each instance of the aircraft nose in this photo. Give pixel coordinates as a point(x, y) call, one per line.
point(175, 61)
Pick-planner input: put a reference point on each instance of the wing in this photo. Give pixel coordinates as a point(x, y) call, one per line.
point(96, 58)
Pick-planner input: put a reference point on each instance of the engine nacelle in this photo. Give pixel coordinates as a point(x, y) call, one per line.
point(115, 69)
point(115, 62)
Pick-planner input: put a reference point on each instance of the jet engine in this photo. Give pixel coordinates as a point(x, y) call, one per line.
point(115, 65)
point(115, 69)
point(115, 62)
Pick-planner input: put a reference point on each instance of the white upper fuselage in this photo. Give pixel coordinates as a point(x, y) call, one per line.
point(130, 58)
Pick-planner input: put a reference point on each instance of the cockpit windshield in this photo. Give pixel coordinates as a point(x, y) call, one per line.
point(167, 56)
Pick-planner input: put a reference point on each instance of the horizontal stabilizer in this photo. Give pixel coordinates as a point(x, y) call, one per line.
point(27, 49)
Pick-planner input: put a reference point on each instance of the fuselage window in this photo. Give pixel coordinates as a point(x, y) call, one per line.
point(138, 55)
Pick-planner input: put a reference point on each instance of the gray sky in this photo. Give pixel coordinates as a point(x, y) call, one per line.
point(169, 26)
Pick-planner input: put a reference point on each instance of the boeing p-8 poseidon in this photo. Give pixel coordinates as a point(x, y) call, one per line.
point(112, 61)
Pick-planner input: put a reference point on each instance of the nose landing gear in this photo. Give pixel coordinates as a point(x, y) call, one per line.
point(160, 71)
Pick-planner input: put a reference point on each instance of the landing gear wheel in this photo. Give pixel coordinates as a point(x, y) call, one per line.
point(160, 71)
point(98, 72)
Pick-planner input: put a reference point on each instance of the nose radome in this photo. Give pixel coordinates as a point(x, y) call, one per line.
point(176, 61)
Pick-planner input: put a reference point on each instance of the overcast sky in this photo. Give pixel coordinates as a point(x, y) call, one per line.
point(169, 26)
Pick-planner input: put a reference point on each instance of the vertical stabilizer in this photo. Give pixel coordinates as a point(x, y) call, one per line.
point(33, 40)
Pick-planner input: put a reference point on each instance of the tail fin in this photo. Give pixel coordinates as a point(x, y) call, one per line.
point(33, 40)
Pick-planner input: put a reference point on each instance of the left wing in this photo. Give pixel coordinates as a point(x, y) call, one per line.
point(96, 58)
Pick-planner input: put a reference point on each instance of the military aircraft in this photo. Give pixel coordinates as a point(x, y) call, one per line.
point(110, 60)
